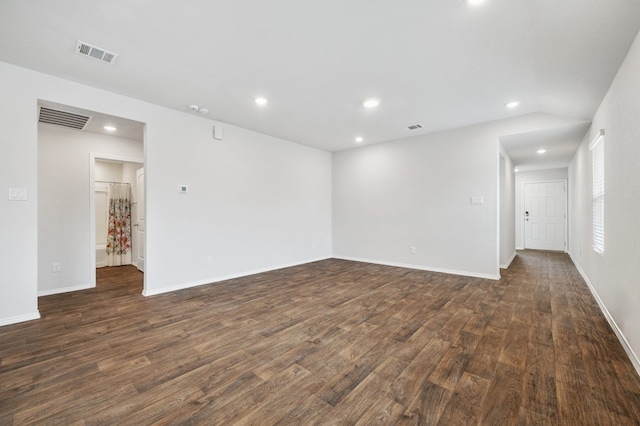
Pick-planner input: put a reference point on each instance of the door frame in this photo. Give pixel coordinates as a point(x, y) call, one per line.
point(566, 211)
point(93, 156)
point(138, 218)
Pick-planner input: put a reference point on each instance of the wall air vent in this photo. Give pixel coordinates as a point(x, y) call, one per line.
point(415, 126)
point(94, 52)
point(62, 118)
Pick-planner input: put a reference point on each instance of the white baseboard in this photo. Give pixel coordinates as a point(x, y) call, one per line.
point(506, 266)
point(623, 341)
point(49, 292)
point(205, 281)
point(422, 268)
point(20, 318)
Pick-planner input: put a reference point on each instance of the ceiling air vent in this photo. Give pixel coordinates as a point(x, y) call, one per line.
point(63, 118)
point(415, 126)
point(94, 52)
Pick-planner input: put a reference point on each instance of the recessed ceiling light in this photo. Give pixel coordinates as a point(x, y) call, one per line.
point(359, 139)
point(541, 151)
point(110, 128)
point(474, 2)
point(516, 170)
point(260, 101)
point(371, 103)
point(512, 104)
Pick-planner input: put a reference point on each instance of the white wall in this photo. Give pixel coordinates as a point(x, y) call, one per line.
point(613, 276)
point(64, 206)
point(110, 171)
point(530, 177)
point(416, 193)
point(18, 219)
point(255, 202)
point(507, 211)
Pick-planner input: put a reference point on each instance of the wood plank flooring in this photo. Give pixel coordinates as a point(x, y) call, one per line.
point(331, 342)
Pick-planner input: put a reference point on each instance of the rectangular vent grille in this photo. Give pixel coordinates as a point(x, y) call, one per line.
point(62, 118)
point(94, 52)
point(415, 126)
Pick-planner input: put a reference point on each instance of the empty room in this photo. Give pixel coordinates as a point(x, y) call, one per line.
point(290, 212)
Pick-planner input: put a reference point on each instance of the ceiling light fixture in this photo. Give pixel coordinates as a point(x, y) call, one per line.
point(512, 105)
point(371, 103)
point(541, 151)
point(110, 128)
point(359, 139)
point(474, 2)
point(203, 111)
point(516, 170)
point(260, 101)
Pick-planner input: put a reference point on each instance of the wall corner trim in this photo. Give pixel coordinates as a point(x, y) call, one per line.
point(20, 318)
point(623, 341)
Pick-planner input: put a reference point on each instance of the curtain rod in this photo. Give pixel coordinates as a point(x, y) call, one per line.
point(106, 181)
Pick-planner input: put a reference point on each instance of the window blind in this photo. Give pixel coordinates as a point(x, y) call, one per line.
point(597, 152)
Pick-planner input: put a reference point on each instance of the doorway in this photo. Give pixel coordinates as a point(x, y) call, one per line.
point(112, 169)
point(545, 215)
point(66, 188)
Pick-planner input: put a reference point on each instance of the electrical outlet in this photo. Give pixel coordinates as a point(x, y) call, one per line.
point(412, 250)
point(209, 260)
point(56, 267)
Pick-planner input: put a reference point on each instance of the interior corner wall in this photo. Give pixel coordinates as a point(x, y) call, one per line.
point(507, 211)
point(530, 177)
point(64, 209)
point(255, 202)
point(613, 276)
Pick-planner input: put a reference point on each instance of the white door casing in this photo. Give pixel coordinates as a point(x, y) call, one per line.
point(545, 215)
point(139, 222)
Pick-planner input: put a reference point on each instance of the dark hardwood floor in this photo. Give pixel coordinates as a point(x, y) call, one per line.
point(332, 342)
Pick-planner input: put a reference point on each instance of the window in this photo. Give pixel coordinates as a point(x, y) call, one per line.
point(597, 153)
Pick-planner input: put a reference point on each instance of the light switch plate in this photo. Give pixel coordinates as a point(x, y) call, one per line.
point(477, 201)
point(17, 194)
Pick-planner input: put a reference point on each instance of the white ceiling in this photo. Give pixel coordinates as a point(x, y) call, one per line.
point(560, 143)
point(439, 63)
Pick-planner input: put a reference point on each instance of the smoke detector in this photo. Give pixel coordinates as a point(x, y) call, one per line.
point(103, 55)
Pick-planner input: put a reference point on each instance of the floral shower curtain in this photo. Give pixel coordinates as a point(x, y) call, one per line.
point(119, 227)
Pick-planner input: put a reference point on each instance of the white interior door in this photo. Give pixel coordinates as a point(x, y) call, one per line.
point(139, 224)
point(545, 213)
